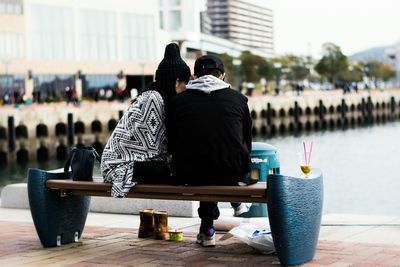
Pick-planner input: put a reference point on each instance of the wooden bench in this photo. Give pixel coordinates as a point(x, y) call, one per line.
point(59, 206)
point(255, 193)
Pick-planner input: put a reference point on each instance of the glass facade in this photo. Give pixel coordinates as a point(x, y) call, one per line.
point(98, 35)
point(12, 87)
point(175, 20)
point(10, 7)
point(95, 86)
point(11, 45)
point(138, 37)
point(52, 34)
point(48, 87)
point(64, 33)
point(171, 14)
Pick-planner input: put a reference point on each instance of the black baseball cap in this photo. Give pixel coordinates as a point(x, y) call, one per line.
point(208, 62)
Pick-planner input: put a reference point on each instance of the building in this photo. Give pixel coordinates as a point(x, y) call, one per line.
point(48, 46)
point(242, 22)
point(189, 24)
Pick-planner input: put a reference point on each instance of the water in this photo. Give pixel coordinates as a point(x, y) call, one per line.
point(361, 167)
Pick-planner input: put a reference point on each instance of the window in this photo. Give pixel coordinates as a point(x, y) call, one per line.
point(175, 20)
point(48, 87)
point(161, 19)
point(174, 3)
point(98, 84)
point(12, 85)
point(10, 7)
point(52, 32)
point(12, 45)
point(98, 35)
point(138, 37)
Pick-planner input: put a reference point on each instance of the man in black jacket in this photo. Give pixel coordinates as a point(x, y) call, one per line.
point(209, 137)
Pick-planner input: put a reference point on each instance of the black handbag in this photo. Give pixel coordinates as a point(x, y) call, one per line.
point(81, 160)
point(151, 172)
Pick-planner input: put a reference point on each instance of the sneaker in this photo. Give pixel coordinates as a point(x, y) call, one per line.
point(240, 210)
point(206, 239)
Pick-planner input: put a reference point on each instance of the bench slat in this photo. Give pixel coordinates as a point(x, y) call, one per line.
point(252, 193)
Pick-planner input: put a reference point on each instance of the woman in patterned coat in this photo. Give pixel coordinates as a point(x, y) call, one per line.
point(141, 134)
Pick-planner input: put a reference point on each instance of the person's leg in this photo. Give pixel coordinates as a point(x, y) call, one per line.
point(239, 208)
point(208, 212)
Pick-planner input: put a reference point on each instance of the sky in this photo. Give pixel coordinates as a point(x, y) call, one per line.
point(302, 26)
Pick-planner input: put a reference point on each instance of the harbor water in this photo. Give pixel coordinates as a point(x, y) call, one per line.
point(360, 166)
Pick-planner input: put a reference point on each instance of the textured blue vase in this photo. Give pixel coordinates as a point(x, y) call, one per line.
point(58, 220)
point(295, 210)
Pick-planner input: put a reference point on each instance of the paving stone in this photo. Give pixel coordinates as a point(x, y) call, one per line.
point(101, 246)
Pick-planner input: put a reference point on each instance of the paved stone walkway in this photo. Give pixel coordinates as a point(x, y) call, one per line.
point(101, 246)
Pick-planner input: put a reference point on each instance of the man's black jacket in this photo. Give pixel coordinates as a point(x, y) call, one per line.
point(209, 137)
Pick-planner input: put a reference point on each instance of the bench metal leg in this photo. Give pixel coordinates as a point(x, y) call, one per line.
point(58, 219)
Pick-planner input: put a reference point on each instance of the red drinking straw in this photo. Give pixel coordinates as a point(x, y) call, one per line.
point(305, 152)
point(309, 156)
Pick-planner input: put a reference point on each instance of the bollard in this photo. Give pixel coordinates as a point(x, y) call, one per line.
point(41, 130)
point(321, 109)
point(70, 129)
point(21, 131)
point(22, 155)
point(343, 109)
point(11, 134)
point(3, 157)
point(263, 130)
point(62, 151)
point(296, 116)
point(272, 130)
point(296, 112)
point(269, 114)
point(42, 153)
point(79, 127)
point(369, 110)
point(3, 133)
point(253, 114)
point(61, 129)
point(254, 131)
point(392, 107)
point(96, 126)
point(112, 123)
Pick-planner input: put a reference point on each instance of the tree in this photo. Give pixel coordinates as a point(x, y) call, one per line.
point(353, 73)
point(387, 72)
point(298, 68)
point(333, 63)
point(377, 70)
point(254, 67)
point(228, 66)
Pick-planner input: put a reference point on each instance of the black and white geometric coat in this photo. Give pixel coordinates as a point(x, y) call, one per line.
point(140, 135)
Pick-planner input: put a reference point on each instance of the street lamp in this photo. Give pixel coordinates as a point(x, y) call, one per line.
point(277, 67)
point(237, 63)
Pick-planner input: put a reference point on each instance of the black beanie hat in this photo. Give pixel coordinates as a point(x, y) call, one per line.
point(172, 66)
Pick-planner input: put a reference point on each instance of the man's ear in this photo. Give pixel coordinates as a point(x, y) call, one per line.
point(222, 76)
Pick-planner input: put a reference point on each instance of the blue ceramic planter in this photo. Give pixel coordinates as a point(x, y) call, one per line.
point(295, 210)
point(58, 220)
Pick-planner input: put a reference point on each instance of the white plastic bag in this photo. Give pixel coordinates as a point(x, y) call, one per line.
point(254, 237)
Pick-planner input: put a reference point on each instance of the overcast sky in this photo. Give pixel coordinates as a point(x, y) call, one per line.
point(354, 25)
